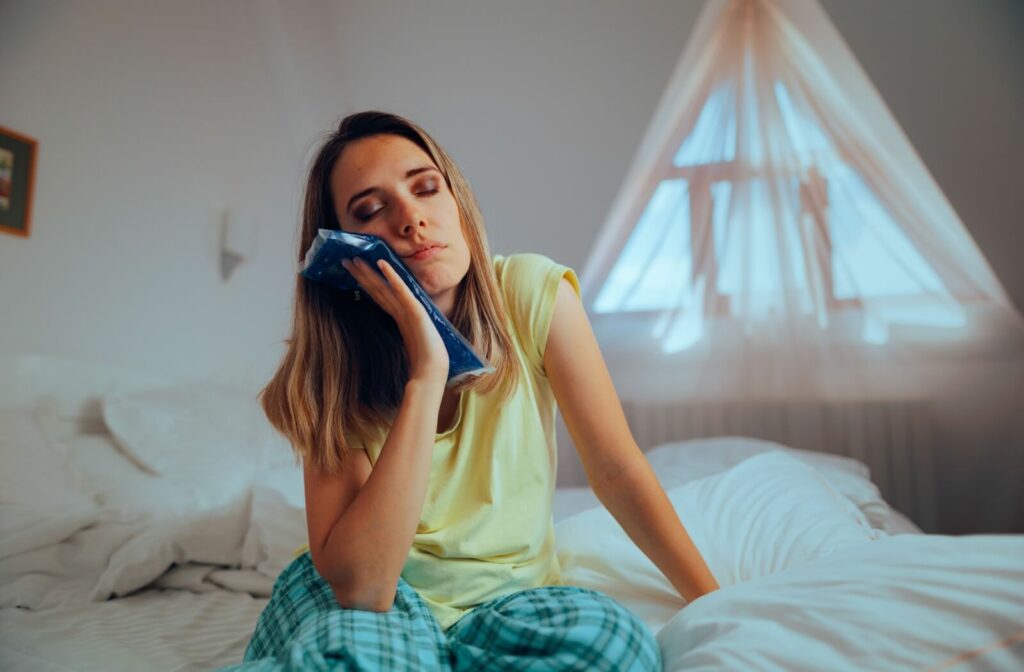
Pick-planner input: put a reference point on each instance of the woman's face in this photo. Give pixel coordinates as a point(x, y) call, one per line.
point(387, 186)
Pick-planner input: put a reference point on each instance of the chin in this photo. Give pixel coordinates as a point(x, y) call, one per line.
point(436, 280)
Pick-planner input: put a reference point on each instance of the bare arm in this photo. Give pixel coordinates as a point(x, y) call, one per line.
point(365, 550)
point(616, 468)
point(362, 527)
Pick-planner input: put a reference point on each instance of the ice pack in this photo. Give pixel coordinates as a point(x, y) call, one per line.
point(322, 263)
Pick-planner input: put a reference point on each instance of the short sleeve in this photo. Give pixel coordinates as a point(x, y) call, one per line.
point(371, 448)
point(529, 283)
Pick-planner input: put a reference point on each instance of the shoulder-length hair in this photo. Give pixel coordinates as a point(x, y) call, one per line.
point(345, 368)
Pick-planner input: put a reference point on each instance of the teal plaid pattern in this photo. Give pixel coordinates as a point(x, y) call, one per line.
point(548, 628)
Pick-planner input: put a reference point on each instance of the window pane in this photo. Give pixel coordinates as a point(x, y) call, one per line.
point(760, 252)
point(654, 268)
point(870, 254)
point(713, 138)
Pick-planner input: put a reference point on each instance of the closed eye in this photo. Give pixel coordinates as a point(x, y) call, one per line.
point(368, 217)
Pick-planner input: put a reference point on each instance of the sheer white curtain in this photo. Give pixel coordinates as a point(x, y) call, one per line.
point(777, 236)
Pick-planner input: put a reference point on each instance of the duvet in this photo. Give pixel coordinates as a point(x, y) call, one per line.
point(807, 583)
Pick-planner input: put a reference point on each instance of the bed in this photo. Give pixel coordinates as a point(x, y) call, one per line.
point(144, 520)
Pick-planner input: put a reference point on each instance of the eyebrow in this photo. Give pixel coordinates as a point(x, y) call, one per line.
point(408, 174)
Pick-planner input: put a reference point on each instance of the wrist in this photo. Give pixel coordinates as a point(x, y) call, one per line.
point(431, 385)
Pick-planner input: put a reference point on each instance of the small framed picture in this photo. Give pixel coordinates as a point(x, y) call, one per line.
point(17, 177)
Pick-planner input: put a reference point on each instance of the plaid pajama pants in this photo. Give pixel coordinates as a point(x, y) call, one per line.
point(547, 628)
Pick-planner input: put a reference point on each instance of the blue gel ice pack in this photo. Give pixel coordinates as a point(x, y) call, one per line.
point(323, 264)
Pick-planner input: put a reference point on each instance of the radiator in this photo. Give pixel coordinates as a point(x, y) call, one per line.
point(895, 439)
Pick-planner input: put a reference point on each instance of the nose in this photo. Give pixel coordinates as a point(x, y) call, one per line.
point(409, 218)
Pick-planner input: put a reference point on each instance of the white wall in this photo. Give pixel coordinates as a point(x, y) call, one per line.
point(154, 117)
point(149, 120)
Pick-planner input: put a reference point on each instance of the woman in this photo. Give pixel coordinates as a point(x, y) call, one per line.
point(431, 541)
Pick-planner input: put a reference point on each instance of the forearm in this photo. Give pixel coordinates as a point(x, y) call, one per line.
point(637, 501)
point(368, 546)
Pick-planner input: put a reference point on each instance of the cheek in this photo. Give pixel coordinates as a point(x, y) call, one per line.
point(463, 248)
point(461, 261)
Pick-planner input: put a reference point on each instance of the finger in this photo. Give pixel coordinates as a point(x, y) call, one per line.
point(365, 275)
point(376, 277)
point(402, 290)
point(372, 283)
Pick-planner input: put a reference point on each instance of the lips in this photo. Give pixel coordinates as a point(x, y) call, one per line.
point(425, 251)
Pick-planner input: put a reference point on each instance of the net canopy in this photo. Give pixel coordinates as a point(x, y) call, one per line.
point(777, 235)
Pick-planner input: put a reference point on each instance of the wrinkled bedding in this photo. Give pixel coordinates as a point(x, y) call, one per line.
point(190, 586)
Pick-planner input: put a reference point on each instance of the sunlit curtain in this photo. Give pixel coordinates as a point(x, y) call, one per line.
point(777, 234)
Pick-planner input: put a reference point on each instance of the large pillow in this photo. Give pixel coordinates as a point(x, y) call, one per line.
point(766, 514)
point(122, 488)
point(42, 502)
point(908, 602)
point(208, 435)
point(684, 461)
point(277, 525)
point(258, 531)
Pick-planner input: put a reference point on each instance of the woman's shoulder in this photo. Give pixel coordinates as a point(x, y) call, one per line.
point(526, 277)
point(520, 263)
point(529, 282)
point(526, 272)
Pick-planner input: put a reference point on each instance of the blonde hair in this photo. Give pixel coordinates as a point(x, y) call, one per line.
point(343, 374)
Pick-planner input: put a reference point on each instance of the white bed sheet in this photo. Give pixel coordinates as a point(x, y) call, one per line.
point(907, 602)
point(199, 625)
point(186, 604)
point(200, 618)
point(781, 622)
point(199, 615)
point(791, 620)
point(150, 630)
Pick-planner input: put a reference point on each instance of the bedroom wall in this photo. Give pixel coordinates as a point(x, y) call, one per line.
point(154, 119)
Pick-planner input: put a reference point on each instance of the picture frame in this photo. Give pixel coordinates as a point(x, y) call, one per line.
point(17, 180)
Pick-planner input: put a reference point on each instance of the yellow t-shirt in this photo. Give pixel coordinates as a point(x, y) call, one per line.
point(486, 528)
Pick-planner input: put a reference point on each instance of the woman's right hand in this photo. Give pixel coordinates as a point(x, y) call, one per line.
point(428, 358)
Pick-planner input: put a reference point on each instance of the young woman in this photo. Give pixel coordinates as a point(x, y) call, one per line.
point(431, 542)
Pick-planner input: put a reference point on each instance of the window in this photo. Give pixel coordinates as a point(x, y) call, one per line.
point(790, 226)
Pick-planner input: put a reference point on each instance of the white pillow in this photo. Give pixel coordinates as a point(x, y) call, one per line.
point(122, 488)
point(208, 435)
point(767, 513)
point(41, 500)
point(910, 602)
point(259, 530)
point(277, 524)
point(684, 461)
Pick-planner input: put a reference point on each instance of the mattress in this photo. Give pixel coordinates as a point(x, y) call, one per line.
point(176, 629)
point(150, 630)
point(184, 591)
point(160, 552)
point(155, 628)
